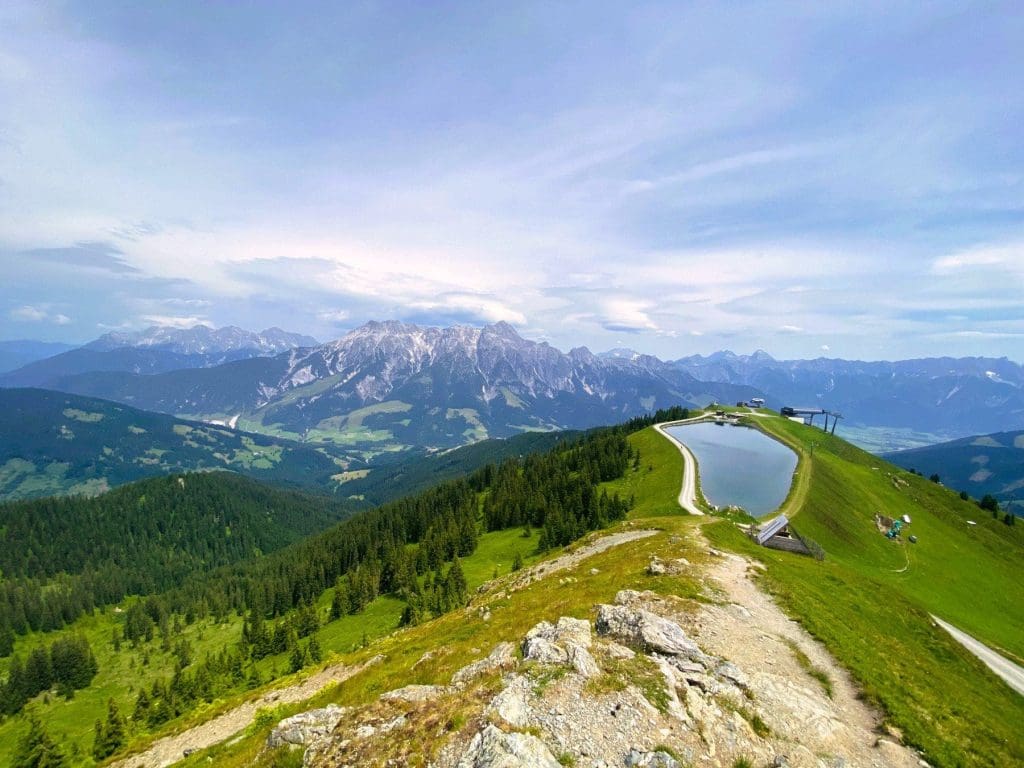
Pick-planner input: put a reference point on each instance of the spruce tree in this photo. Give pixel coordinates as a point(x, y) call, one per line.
point(36, 749)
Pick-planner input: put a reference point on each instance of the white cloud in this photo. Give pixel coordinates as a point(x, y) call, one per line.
point(626, 314)
point(177, 321)
point(790, 329)
point(333, 316)
point(484, 308)
point(28, 314)
point(1003, 256)
point(38, 314)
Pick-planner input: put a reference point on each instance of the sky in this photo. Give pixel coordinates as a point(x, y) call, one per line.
point(812, 179)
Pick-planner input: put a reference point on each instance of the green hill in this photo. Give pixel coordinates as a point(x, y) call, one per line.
point(868, 601)
point(986, 464)
point(56, 443)
point(166, 537)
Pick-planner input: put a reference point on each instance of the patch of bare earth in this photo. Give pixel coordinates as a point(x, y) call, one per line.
point(170, 749)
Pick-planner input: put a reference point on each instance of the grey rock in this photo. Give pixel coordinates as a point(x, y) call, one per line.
point(656, 567)
point(414, 694)
point(503, 656)
point(549, 643)
point(542, 650)
point(659, 759)
point(582, 662)
point(571, 631)
point(306, 727)
point(512, 705)
point(646, 630)
point(731, 673)
point(492, 748)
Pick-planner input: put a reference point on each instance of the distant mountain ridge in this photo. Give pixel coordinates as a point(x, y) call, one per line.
point(980, 464)
point(14, 354)
point(389, 385)
point(158, 349)
point(204, 340)
point(955, 396)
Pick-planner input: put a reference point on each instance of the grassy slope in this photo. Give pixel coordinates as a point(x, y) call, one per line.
point(461, 637)
point(872, 618)
point(57, 443)
point(122, 674)
point(873, 615)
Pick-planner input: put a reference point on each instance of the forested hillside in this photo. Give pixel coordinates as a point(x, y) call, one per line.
point(62, 556)
point(59, 443)
point(164, 539)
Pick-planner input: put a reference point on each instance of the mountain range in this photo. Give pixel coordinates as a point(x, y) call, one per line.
point(158, 349)
point(944, 396)
point(984, 464)
point(388, 386)
point(14, 354)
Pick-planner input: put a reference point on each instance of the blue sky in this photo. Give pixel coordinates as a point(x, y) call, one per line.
point(843, 179)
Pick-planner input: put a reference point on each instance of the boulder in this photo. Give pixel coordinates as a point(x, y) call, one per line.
point(647, 630)
point(582, 662)
point(542, 650)
point(569, 631)
point(306, 727)
point(502, 657)
point(513, 704)
point(549, 643)
point(492, 748)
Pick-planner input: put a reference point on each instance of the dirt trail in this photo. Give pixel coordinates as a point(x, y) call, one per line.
point(1012, 674)
point(750, 630)
point(170, 749)
point(688, 490)
point(570, 559)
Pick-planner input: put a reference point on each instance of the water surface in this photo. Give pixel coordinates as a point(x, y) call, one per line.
point(739, 466)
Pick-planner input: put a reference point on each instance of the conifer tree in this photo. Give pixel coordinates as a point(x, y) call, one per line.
point(36, 749)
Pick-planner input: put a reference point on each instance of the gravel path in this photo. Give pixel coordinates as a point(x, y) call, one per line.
point(752, 631)
point(171, 749)
point(688, 491)
point(1012, 674)
point(570, 559)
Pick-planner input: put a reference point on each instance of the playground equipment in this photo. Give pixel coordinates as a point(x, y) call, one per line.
point(897, 526)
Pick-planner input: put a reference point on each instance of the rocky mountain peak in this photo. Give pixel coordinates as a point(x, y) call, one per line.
point(203, 340)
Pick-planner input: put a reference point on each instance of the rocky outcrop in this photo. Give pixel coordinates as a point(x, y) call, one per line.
point(502, 657)
point(643, 629)
point(305, 728)
point(640, 693)
point(493, 748)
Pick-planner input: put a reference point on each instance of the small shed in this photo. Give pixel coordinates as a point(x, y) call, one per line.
point(776, 534)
